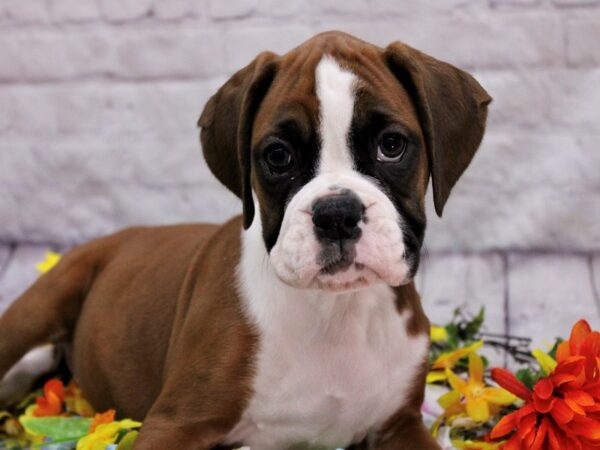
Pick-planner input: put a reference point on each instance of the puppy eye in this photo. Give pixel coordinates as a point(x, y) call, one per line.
point(391, 147)
point(279, 158)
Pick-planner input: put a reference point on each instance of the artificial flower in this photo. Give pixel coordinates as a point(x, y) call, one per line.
point(76, 402)
point(453, 413)
point(50, 260)
point(29, 413)
point(546, 362)
point(438, 334)
point(448, 360)
point(50, 404)
point(105, 434)
point(563, 410)
point(102, 418)
point(476, 396)
point(476, 445)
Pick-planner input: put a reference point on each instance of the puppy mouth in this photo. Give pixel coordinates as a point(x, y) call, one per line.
point(340, 271)
point(354, 276)
point(336, 256)
point(337, 265)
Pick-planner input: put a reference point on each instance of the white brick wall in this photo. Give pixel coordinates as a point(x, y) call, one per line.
point(99, 99)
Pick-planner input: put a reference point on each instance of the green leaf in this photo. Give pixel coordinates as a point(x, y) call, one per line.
point(126, 443)
point(70, 428)
point(452, 330)
point(474, 325)
point(49, 444)
point(552, 351)
point(527, 377)
point(486, 362)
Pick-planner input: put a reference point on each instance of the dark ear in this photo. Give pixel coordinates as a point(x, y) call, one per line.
point(226, 124)
point(452, 108)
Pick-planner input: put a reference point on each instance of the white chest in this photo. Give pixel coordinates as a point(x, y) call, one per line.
point(329, 369)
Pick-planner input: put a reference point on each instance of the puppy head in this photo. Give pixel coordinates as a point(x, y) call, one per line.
point(330, 147)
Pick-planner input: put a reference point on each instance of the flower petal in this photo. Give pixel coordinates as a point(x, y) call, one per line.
point(591, 350)
point(527, 426)
point(513, 444)
point(591, 345)
point(556, 440)
point(448, 359)
point(438, 334)
point(498, 396)
point(577, 409)
point(562, 378)
point(580, 397)
point(508, 381)
point(448, 399)
point(544, 405)
point(578, 334)
point(504, 426)
point(546, 362)
point(457, 383)
point(540, 436)
point(436, 375)
point(478, 409)
point(561, 412)
point(56, 387)
point(543, 388)
point(563, 351)
point(475, 368)
point(586, 427)
point(102, 418)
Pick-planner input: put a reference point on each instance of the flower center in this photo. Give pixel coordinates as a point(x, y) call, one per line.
point(476, 390)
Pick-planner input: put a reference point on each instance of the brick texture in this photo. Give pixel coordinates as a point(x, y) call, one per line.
point(548, 294)
point(99, 100)
point(115, 84)
point(19, 273)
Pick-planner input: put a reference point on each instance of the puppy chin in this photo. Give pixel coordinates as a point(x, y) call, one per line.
point(356, 277)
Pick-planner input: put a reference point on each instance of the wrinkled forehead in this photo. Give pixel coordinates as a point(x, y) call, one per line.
point(293, 103)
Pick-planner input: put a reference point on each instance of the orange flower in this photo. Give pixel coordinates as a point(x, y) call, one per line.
point(75, 402)
point(50, 404)
point(102, 418)
point(563, 410)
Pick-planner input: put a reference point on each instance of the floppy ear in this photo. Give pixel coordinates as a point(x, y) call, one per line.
point(452, 108)
point(226, 124)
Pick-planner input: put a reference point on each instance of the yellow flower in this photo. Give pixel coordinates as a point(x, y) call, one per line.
point(75, 401)
point(476, 445)
point(448, 360)
point(51, 259)
point(105, 434)
point(438, 334)
point(477, 396)
point(546, 362)
point(453, 409)
point(32, 437)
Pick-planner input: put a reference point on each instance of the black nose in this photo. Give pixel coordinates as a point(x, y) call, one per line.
point(336, 217)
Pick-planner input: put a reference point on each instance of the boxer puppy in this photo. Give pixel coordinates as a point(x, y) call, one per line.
point(299, 321)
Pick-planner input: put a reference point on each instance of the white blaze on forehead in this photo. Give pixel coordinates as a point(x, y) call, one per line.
point(335, 91)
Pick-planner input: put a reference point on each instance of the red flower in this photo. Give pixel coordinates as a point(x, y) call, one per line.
point(563, 410)
point(50, 404)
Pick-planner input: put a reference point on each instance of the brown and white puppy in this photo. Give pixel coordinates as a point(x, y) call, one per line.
point(298, 323)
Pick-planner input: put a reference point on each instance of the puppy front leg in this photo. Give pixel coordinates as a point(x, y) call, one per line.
point(405, 431)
